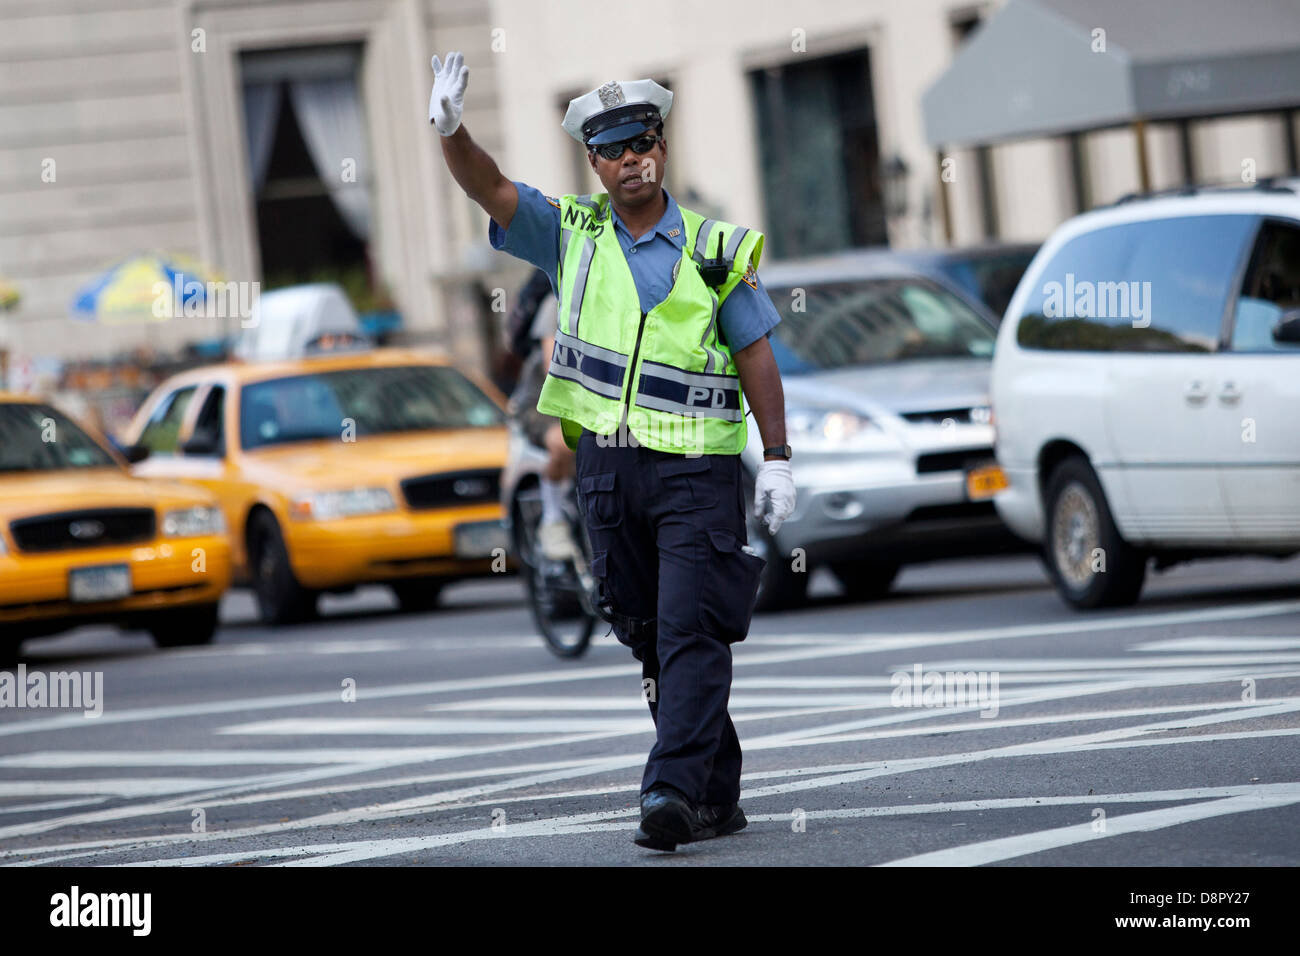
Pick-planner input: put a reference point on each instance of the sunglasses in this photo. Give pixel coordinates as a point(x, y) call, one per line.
point(641, 144)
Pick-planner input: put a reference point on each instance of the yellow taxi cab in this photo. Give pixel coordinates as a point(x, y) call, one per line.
point(377, 466)
point(82, 541)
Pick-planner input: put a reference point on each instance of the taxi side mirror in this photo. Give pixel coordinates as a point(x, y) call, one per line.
point(134, 454)
point(200, 443)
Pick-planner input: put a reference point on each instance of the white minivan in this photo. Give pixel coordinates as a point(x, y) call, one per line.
point(1146, 389)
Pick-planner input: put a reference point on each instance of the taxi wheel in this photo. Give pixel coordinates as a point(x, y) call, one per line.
point(280, 598)
point(422, 594)
point(185, 627)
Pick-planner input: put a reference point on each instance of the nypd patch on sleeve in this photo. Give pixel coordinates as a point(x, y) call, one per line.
point(751, 276)
point(553, 201)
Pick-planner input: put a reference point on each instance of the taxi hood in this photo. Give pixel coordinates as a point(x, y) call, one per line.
point(26, 493)
point(374, 460)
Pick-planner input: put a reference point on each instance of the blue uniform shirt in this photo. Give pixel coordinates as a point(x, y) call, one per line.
point(534, 236)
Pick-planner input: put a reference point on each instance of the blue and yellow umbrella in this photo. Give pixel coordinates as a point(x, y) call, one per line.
point(153, 287)
point(8, 295)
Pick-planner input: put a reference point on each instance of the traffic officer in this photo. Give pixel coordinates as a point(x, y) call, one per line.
point(662, 324)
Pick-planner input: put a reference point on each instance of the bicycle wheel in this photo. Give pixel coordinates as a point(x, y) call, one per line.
point(555, 597)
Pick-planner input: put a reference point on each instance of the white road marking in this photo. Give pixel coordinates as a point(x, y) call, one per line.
point(853, 646)
point(52, 805)
point(423, 803)
point(1225, 642)
point(222, 758)
point(387, 726)
point(132, 787)
point(1263, 797)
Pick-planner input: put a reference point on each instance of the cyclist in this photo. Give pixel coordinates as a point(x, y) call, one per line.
point(536, 339)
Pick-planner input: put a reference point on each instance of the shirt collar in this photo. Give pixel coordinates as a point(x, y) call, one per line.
point(670, 220)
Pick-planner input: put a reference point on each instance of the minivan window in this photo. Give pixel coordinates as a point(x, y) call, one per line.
point(1271, 288)
point(863, 322)
point(1160, 285)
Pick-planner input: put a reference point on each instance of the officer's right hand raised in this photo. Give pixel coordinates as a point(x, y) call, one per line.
point(448, 97)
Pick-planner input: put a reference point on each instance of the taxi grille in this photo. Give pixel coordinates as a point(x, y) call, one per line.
point(451, 489)
point(92, 528)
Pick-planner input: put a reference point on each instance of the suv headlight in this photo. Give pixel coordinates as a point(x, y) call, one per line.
point(821, 427)
point(326, 505)
point(193, 522)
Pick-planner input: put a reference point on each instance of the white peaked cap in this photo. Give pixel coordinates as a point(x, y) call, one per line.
point(617, 111)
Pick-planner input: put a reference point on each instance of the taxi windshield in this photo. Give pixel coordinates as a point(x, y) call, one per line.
point(367, 401)
point(38, 438)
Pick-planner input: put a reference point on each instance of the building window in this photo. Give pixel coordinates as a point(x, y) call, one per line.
point(309, 165)
point(819, 155)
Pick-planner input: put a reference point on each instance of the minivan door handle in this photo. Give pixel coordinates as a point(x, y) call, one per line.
point(1230, 394)
point(1196, 392)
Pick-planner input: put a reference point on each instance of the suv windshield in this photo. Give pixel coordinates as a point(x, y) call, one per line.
point(870, 321)
point(37, 438)
point(370, 401)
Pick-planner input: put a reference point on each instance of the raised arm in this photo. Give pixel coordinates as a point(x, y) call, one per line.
point(472, 168)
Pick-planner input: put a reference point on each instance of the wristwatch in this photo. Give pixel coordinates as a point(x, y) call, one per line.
point(779, 451)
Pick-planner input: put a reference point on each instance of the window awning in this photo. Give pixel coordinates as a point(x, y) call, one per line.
point(1031, 71)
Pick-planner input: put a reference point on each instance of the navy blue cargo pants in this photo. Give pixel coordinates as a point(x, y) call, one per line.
point(666, 535)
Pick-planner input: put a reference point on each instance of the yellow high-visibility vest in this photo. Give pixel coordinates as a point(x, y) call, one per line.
point(667, 373)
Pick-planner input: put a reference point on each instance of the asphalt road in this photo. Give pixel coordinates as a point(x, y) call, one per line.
point(1158, 735)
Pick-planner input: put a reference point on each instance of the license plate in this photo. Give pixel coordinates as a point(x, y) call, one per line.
point(480, 539)
point(985, 482)
point(104, 583)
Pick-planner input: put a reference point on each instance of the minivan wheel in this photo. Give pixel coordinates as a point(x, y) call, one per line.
point(280, 598)
point(1088, 561)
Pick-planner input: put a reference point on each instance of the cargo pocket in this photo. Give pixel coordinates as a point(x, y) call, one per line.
point(689, 482)
point(600, 503)
point(729, 587)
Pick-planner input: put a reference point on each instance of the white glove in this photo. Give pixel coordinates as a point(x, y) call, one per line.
point(448, 97)
point(774, 484)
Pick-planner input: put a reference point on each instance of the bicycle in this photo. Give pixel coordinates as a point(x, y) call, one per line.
point(560, 593)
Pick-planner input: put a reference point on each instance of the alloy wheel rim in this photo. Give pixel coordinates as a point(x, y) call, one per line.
point(1076, 534)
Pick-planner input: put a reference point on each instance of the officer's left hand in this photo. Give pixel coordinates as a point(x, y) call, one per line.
point(774, 484)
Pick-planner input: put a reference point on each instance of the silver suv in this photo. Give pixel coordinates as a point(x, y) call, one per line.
point(886, 376)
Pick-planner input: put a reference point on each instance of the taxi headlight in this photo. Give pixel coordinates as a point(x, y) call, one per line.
point(326, 505)
point(193, 522)
point(822, 427)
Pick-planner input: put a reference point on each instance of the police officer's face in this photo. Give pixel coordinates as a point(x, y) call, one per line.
point(632, 179)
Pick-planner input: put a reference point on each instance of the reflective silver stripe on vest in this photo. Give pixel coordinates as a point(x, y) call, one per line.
point(690, 411)
point(710, 392)
point(595, 351)
point(734, 244)
point(712, 358)
point(613, 364)
point(580, 282)
point(702, 239)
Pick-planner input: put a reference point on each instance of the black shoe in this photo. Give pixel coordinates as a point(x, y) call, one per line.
point(717, 820)
point(667, 819)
